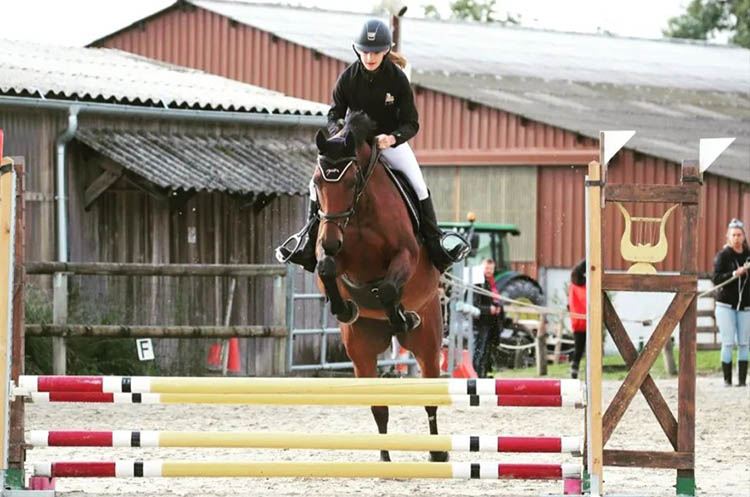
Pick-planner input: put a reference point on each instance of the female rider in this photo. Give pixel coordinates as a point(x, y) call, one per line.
point(375, 85)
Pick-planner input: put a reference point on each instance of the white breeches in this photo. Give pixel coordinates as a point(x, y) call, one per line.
point(402, 159)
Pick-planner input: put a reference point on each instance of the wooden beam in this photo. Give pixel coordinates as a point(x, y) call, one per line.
point(627, 350)
point(642, 365)
point(137, 269)
point(670, 194)
point(649, 459)
point(507, 157)
point(673, 283)
point(153, 331)
point(99, 186)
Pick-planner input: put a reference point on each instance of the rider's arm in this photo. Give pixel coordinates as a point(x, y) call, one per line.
point(407, 112)
point(339, 105)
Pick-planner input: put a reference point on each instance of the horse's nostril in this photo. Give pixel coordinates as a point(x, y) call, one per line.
point(332, 246)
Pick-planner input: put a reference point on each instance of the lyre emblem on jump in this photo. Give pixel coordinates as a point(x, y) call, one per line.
point(644, 255)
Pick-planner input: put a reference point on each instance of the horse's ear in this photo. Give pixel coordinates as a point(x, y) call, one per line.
point(321, 141)
point(349, 142)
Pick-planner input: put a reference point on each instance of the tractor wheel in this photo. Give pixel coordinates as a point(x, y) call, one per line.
point(526, 292)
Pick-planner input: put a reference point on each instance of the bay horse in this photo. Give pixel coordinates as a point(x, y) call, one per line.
point(375, 273)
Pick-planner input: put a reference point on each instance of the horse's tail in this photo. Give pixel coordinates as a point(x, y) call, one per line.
point(397, 59)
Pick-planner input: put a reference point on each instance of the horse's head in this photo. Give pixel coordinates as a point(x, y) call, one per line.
point(341, 177)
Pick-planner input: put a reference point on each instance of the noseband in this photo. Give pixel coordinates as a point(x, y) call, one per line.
point(359, 189)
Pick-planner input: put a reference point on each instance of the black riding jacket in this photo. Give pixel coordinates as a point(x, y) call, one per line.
point(385, 95)
point(726, 262)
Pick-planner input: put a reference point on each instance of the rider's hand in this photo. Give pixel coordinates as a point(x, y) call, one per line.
point(385, 141)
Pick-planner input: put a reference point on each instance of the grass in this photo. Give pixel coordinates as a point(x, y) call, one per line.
point(707, 363)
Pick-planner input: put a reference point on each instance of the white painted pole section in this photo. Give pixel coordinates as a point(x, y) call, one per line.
point(124, 468)
point(463, 470)
point(121, 438)
point(38, 438)
point(42, 469)
point(571, 470)
point(572, 445)
point(28, 383)
point(152, 468)
point(111, 384)
point(40, 397)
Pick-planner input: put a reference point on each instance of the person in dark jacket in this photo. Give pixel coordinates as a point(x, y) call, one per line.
point(488, 323)
point(733, 300)
point(577, 305)
point(376, 85)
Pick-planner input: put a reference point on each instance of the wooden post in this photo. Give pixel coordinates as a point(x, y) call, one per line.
point(16, 452)
point(279, 318)
point(594, 268)
point(541, 348)
point(7, 232)
point(686, 379)
point(59, 317)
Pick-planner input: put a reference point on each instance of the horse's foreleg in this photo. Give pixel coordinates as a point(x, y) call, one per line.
point(345, 311)
point(380, 413)
point(389, 294)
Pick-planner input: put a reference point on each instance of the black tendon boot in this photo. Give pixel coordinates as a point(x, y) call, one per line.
point(300, 247)
point(726, 367)
point(441, 256)
point(741, 373)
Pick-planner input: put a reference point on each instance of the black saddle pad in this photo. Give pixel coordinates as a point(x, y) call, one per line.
point(407, 193)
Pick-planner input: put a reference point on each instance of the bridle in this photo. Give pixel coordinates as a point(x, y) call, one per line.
point(341, 219)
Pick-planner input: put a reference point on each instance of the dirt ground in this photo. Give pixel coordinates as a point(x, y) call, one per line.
point(722, 446)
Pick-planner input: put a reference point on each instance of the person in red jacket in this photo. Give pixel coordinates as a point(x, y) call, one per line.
point(577, 306)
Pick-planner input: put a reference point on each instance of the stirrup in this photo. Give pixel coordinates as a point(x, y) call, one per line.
point(283, 253)
point(461, 244)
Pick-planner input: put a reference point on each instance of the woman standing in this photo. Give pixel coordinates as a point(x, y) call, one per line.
point(577, 308)
point(733, 301)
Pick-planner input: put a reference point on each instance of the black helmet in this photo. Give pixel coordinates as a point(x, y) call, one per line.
point(374, 37)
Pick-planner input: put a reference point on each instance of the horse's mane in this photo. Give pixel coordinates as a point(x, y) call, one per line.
point(361, 127)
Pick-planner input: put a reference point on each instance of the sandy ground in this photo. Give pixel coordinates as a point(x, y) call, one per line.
point(722, 446)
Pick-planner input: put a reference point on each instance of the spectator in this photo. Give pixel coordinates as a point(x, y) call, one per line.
point(577, 306)
point(487, 324)
point(733, 301)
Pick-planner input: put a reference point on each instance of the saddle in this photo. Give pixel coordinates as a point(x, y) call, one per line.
point(407, 194)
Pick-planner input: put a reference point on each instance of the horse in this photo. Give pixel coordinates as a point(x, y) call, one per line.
point(371, 266)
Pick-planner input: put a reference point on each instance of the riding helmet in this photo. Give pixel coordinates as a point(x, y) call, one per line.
point(374, 37)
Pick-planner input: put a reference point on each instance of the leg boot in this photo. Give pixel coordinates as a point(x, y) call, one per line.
point(741, 373)
point(300, 247)
point(726, 368)
point(441, 257)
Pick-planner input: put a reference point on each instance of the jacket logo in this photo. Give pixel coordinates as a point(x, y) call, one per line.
point(389, 99)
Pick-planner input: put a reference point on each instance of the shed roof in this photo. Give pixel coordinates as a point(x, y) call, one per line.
point(231, 164)
point(100, 74)
point(671, 92)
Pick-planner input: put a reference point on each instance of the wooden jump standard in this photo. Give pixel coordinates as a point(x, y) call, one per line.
point(459, 470)
point(289, 440)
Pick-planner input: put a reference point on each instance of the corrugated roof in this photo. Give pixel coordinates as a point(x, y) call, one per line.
point(463, 47)
point(232, 164)
point(101, 74)
point(671, 92)
point(668, 121)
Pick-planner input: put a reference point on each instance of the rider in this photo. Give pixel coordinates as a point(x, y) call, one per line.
point(375, 85)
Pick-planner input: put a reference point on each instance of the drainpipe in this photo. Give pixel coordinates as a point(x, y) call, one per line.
point(60, 291)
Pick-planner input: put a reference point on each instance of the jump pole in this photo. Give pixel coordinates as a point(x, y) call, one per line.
point(338, 386)
point(459, 401)
point(289, 440)
point(184, 469)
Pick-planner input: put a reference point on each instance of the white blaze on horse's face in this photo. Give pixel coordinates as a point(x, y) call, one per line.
point(372, 60)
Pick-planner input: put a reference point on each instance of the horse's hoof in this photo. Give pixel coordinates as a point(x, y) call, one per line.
point(413, 320)
point(439, 457)
point(351, 315)
point(385, 456)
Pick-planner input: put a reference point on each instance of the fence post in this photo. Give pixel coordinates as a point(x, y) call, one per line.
point(59, 316)
point(289, 323)
point(279, 317)
point(541, 348)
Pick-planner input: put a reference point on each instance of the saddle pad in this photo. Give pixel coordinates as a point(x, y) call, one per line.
point(407, 193)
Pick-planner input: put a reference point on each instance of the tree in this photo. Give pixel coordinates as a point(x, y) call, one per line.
point(472, 10)
point(703, 19)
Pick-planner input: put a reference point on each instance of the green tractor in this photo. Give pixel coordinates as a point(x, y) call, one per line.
point(490, 240)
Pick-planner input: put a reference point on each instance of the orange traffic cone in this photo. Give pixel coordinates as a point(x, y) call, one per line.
point(214, 357)
point(233, 363)
point(466, 368)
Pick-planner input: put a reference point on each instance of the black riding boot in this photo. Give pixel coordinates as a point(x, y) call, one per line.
point(741, 373)
point(300, 247)
point(433, 238)
point(726, 367)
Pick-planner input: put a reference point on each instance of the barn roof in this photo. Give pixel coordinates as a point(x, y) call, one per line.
point(106, 75)
point(238, 164)
point(671, 92)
